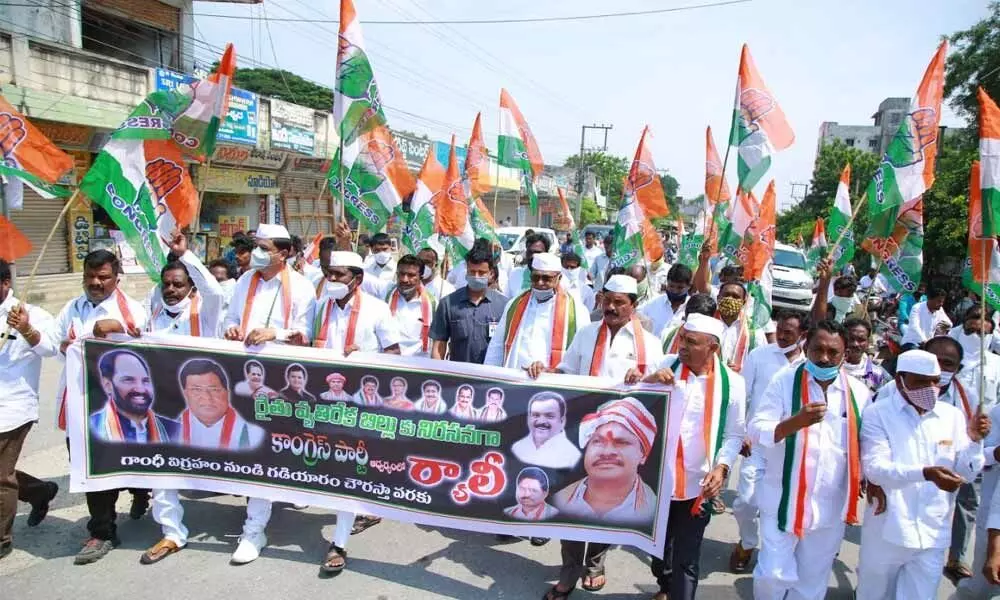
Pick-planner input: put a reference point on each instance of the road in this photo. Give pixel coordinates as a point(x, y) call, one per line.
point(390, 561)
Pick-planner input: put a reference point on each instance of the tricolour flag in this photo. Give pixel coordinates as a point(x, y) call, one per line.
point(452, 209)
point(578, 247)
point(375, 178)
point(982, 268)
point(197, 126)
point(759, 126)
point(310, 253)
point(29, 157)
point(691, 242)
point(643, 182)
point(13, 243)
point(716, 188)
point(760, 255)
point(420, 224)
point(840, 221)
point(141, 181)
point(732, 241)
point(817, 246)
point(989, 154)
point(357, 105)
point(477, 170)
point(895, 207)
point(516, 146)
point(642, 200)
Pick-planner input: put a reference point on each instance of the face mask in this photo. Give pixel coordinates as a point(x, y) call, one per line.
point(408, 290)
point(426, 273)
point(923, 398)
point(260, 259)
point(946, 377)
point(787, 349)
point(382, 258)
point(542, 295)
point(571, 276)
point(477, 283)
point(642, 288)
point(842, 305)
point(337, 290)
point(677, 297)
point(821, 373)
point(729, 308)
point(179, 307)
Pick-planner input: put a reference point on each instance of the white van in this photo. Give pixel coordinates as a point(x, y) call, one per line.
point(793, 286)
point(512, 239)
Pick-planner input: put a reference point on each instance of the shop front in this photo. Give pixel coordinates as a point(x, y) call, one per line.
point(234, 200)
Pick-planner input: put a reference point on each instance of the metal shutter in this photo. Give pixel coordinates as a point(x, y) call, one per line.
point(35, 221)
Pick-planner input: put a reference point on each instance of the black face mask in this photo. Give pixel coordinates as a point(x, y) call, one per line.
point(675, 297)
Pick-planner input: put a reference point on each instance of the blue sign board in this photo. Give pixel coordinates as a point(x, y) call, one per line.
point(240, 125)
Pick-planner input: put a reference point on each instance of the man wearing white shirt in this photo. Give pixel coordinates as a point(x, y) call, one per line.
point(878, 280)
point(519, 278)
point(919, 450)
point(927, 319)
point(272, 301)
point(347, 319)
point(574, 280)
point(412, 307)
point(967, 335)
point(696, 370)
point(758, 372)
point(601, 263)
point(807, 426)
point(28, 338)
point(103, 308)
point(857, 362)
point(379, 264)
point(188, 300)
point(429, 278)
point(591, 249)
point(538, 325)
point(667, 310)
point(984, 574)
point(738, 338)
point(430, 400)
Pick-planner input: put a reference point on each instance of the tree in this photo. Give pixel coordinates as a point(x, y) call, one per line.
point(974, 62)
point(609, 170)
point(284, 85)
point(590, 213)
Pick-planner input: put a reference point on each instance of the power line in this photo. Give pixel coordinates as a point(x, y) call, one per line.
point(635, 13)
point(274, 54)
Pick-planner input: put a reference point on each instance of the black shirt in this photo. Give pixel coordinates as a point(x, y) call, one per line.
point(466, 326)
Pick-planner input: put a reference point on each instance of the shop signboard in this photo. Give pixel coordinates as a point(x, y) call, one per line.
point(253, 158)
point(240, 181)
point(292, 127)
point(414, 149)
point(230, 224)
point(240, 125)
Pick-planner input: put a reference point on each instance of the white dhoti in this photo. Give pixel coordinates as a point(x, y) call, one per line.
point(889, 572)
point(342, 531)
point(788, 567)
point(976, 587)
point(258, 514)
point(169, 513)
point(745, 505)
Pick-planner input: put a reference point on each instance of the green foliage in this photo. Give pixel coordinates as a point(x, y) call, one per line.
point(946, 207)
point(974, 62)
point(609, 170)
point(590, 213)
point(290, 88)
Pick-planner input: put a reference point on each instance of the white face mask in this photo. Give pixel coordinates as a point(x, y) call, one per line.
point(842, 305)
point(260, 259)
point(946, 377)
point(337, 290)
point(571, 276)
point(180, 307)
point(382, 258)
point(426, 274)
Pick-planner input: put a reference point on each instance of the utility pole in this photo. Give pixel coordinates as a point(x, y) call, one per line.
point(796, 196)
point(581, 168)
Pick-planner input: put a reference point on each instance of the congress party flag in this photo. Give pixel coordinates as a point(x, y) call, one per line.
point(982, 269)
point(374, 177)
point(989, 154)
point(517, 148)
point(840, 222)
point(716, 188)
point(578, 247)
point(310, 253)
point(13, 244)
point(691, 242)
point(451, 209)
point(29, 158)
point(643, 182)
point(759, 127)
point(357, 105)
point(732, 240)
point(141, 181)
point(419, 227)
point(757, 269)
point(895, 208)
point(197, 126)
point(477, 175)
point(817, 247)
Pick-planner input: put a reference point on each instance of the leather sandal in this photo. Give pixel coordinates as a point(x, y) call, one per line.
point(158, 552)
point(363, 522)
point(554, 593)
point(588, 584)
point(334, 561)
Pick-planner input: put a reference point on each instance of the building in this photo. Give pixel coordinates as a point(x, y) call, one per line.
point(873, 138)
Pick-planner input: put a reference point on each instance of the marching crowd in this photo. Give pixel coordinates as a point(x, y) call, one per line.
point(825, 430)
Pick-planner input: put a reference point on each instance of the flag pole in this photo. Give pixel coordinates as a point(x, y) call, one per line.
point(982, 334)
point(868, 295)
point(850, 223)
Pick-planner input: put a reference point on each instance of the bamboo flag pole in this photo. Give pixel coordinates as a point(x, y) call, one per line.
point(982, 333)
point(850, 223)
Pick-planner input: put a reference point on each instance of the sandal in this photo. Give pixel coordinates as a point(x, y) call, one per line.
point(555, 594)
point(956, 571)
point(161, 550)
point(588, 582)
point(334, 561)
point(363, 522)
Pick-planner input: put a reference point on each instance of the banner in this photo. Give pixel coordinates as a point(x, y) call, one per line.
point(240, 124)
point(437, 443)
point(292, 127)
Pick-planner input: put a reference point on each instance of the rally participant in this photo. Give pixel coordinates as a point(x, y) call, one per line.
point(225, 274)
point(348, 319)
point(537, 325)
point(697, 304)
point(927, 319)
point(242, 250)
point(967, 334)
point(298, 262)
point(379, 265)
point(843, 302)
point(519, 278)
point(466, 320)
point(977, 587)
point(412, 307)
point(711, 390)
point(429, 278)
point(619, 349)
point(919, 450)
point(739, 338)
point(857, 362)
point(84, 316)
point(28, 338)
point(639, 272)
point(271, 303)
point(574, 280)
point(807, 427)
point(601, 263)
point(503, 262)
point(658, 274)
point(758, 372)
point(591, 249)
point(878, 280)
point(667, 310)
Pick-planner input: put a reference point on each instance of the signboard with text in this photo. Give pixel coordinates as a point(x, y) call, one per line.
point(292, 127)
point(240, 125)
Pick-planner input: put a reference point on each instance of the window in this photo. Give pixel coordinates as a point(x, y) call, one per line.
point(895, 118)
point(849, 142)
point(873, 143)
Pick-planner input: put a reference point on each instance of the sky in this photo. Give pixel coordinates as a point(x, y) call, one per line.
point(676, 72)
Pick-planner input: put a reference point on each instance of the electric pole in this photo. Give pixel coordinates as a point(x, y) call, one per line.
point(581, 167)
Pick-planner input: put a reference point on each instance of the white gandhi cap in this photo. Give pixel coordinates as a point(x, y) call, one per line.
point(622, 284)
point(342, 258)
point(699, 323)
point(267, 231)
point(918, 362)
point(546, 261)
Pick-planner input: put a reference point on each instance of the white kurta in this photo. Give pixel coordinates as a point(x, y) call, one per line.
point(661, 314)
point(533, 341)
point(21, 366)
point(591, 254)
point(923, 323)
point(731, 337)
point(211, 299)
point(557, 452)
point(375, 331)
point(268, 308)
point(620, 353)
point(439, 288)
point(759, 369)
point(409, 321)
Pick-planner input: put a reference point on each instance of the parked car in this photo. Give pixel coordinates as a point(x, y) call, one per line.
point(512, 239)
point(793, 285)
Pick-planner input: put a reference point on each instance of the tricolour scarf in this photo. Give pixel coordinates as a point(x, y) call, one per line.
point(563, 324)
